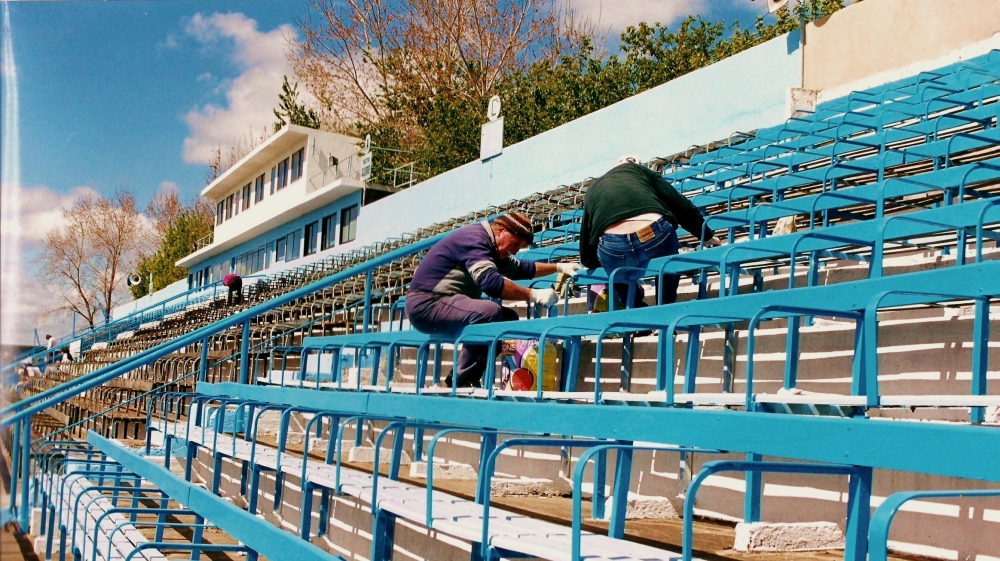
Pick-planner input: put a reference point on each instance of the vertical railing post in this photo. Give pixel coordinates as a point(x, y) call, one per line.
point(368, 301)
point(15, 460)
point(792, 353)
point(619, 502)
point(980, 356)
point(245, 353)
point(25, 511)
point(600, 479)
point(858, 514)
point(488, 443)
point(754, 488)
point(203, 367)
point(729, 357)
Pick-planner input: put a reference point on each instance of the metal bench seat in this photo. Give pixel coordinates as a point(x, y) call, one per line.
point(452, 515)
point(108, 535)
point(901, 122)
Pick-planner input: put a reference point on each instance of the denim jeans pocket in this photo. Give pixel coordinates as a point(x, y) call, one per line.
point(665, 243)
point(607, 254)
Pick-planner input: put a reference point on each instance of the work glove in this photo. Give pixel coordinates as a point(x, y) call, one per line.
point(570, 269)
point(543, 296)
point(713, 242)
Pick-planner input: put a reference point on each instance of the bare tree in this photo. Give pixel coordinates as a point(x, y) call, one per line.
point(86, 260)
point(222, 161)
point(364, 60)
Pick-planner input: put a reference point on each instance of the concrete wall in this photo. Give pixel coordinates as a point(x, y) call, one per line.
point(878, 36)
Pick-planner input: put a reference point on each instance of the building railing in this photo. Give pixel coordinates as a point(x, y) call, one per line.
point(203, 242)
point(351, 167)
point(404, 176)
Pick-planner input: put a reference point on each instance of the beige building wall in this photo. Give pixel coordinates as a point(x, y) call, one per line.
point(877, 36)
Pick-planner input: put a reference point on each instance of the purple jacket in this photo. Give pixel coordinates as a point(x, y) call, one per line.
point(466, 262)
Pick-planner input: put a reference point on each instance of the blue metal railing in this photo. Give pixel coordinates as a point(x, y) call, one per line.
point(49, 398)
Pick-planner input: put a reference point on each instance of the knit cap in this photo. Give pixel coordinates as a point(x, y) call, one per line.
point(517, 224)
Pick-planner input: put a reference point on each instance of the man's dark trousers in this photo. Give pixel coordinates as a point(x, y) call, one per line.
point(235, 292)
point(433, 314)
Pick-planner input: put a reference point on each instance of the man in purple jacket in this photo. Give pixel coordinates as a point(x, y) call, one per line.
point(446, 292)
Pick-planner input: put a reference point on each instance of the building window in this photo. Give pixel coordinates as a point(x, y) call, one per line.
point(258, 188)
point(328, 235)
point(298, 161)
point(229, 207)
point(236, 206)
point(246, 196)
point(274, 179)
point(293, 241)
point(348, 224)
point(310, 245)
point(220, 213)
point(268, 251)
point(282, 173)
point(279, 249)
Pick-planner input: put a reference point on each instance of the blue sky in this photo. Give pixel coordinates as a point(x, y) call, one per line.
point(104, 88)
point(136, 94)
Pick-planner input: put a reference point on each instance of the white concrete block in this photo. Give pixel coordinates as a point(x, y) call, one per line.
point(532, 487)
point(36, 521)
point(366, 455)
point(773, 536)
point(644, 508)
point(39, 546)
point(418, 470)
point(650, 507)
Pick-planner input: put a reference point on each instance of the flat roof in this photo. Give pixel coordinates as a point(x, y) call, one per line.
point(250, 165)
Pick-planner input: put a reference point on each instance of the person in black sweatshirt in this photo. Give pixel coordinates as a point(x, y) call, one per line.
point(630, 217)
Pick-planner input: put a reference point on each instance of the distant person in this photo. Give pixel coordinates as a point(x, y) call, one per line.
point(630, 217)
point(50, 343)
point(447, 288)
point(235, 285)
point(66, 355)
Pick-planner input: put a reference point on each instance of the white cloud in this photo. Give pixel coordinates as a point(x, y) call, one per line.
point(251, 96)
point(28, 214)
point(170, 42)
point(167, 188)
point(619, 14)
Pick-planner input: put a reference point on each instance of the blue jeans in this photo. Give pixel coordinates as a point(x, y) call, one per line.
point(637, 250)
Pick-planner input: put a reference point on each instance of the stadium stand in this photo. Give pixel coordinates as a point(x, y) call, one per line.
point(860, 245)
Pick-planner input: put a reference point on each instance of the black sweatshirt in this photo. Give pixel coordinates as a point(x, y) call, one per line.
point(630, 190)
